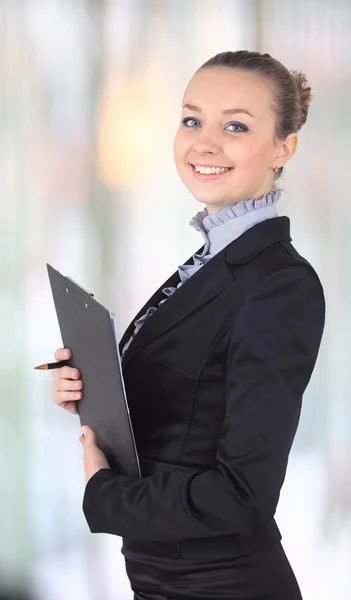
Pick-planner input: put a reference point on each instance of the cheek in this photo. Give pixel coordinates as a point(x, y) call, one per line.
point(180, 148)
point(176, 147)
point(255, 155)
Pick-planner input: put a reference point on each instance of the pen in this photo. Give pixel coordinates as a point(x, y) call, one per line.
point(54, 365)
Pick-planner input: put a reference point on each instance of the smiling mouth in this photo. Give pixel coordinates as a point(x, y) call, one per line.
point(210, 176)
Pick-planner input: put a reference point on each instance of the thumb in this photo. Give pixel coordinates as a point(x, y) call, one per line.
point(89, 435)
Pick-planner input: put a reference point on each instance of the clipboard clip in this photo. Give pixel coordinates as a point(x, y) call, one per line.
point(79, 286)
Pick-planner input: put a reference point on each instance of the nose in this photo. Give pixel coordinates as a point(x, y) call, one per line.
point(205, 143)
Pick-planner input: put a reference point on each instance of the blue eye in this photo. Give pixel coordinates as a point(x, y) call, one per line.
point(242, 127)
point(185, 121)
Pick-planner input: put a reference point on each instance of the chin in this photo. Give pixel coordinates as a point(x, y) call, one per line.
point(210, 200)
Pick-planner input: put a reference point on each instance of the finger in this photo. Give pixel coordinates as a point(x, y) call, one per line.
point(68, 405)
point(63, 397)
point(67, 385)
point(68, 373)
point(62, 354)
point(90, 437)
point(60, 397)
point(86, 430)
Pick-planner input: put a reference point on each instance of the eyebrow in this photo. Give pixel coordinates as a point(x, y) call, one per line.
point(227, 111)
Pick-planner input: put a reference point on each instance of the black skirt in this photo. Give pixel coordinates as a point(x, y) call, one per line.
point(263, 575)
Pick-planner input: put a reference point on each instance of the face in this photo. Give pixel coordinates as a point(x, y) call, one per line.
point(215, 130)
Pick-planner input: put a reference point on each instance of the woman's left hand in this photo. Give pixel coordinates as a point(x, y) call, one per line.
point(94, 458)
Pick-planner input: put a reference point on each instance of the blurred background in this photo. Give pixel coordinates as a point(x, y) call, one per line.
point(90, 100)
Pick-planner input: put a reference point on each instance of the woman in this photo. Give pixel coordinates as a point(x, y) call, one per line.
point(215, 378)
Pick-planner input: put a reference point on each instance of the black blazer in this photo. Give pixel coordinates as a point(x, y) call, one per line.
point(214, 381)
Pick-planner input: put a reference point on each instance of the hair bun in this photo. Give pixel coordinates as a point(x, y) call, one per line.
point(305, 95)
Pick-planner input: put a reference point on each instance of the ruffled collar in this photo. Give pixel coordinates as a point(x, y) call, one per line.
point(224, 226)
point(216, 238)
point(202, 221)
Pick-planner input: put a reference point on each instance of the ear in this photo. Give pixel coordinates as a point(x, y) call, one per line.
point(286, 149)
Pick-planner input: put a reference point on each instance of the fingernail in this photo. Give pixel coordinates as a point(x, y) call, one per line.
point(84, 430)
point(66, 353)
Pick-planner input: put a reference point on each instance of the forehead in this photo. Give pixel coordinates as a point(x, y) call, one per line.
point(221, 88)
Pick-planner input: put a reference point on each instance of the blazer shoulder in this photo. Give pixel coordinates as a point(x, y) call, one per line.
point(296, 258)
point(290, 249)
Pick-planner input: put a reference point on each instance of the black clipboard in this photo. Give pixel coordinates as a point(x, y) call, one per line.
point(88, 330)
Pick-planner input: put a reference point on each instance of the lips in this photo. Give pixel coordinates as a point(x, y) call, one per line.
point(210, 165)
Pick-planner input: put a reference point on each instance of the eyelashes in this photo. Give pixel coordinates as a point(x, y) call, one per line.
point(243, 128)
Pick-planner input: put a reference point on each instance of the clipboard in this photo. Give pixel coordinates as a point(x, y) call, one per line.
point(88, 330)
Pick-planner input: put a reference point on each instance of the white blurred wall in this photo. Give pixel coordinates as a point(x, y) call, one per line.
point(89, 90)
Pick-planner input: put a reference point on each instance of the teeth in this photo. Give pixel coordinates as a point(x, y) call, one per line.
point(209, 170)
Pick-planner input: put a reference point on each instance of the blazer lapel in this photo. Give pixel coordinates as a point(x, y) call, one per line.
point(154, 300)
point(199, 289)
point(204, 285)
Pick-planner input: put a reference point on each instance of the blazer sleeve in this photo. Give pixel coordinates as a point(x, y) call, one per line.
point(272, 351)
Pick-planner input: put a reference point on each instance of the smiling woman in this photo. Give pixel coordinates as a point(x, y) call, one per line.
point(270, 105)
point(215, 377)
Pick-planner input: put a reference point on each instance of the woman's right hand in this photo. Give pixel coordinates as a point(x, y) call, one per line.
point(66, 386)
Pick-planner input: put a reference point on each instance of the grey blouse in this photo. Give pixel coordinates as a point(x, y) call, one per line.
point(217, 230)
